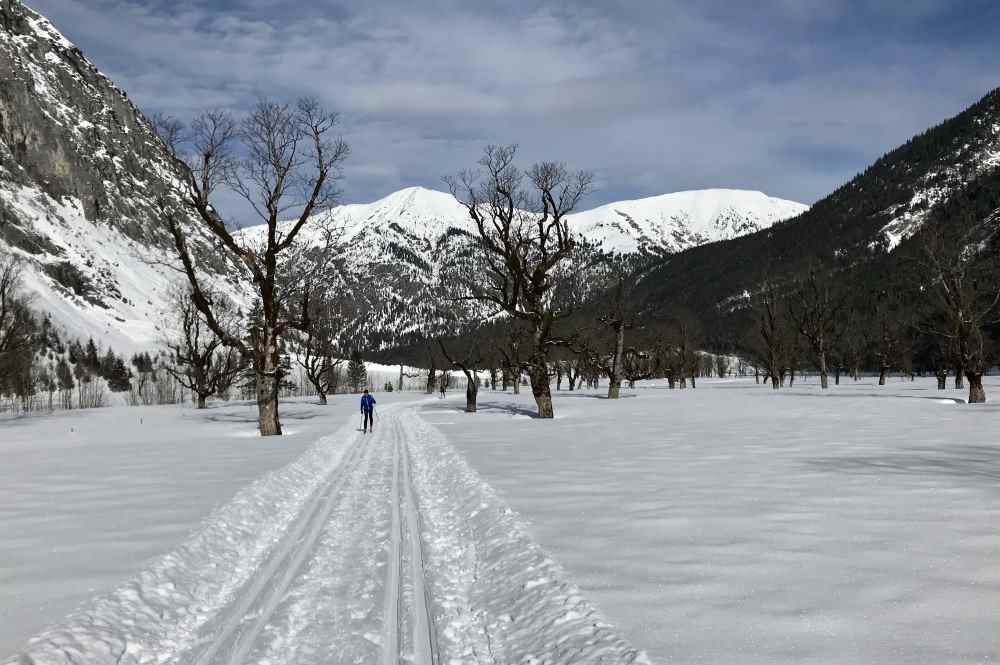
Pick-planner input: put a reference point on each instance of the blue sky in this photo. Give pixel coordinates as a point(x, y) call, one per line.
point(791, 97)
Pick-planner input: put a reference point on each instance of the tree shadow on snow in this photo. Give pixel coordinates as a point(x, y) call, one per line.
point(961, 461)
point(482, 407)
point(210, 417)
point(559, 395)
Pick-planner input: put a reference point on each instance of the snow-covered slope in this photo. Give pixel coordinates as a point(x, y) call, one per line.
point(963, 157)
point(675, 222)
point(81, 175)
point(397, 246)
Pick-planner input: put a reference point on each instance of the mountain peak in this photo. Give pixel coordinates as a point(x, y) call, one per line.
point(669, 223)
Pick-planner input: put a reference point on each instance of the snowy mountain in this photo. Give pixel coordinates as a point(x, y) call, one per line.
point(674, 222)
point(961, 150)
point(869, 228)
point(397, 245)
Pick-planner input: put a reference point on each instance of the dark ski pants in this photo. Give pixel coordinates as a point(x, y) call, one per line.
point(369, 420)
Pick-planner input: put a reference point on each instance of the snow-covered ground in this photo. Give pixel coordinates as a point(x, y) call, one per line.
point(87, 497)
point(364, 548)
point(733, 524)
point(723, 524)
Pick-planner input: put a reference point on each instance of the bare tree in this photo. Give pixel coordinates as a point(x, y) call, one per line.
point(618, 313)
point(964, 294)
point(469, 364)
point(521, 229)
point(198, 359)
point(770, 339)
point(815, 310)
point(887, 335)
point(677, 356)
point(320, 350)
point(290, 169)
point(17, 323)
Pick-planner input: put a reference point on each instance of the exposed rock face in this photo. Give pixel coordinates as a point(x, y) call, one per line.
point(67, 129)
point(80, 175)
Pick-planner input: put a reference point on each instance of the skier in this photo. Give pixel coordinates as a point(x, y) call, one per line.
point(368, 411)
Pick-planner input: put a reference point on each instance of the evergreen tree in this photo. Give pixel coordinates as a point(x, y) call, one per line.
point(357, 375)
point(64, 375)
point(108, 364)
point(75, 352)
point(119, 378)
point(90, 358)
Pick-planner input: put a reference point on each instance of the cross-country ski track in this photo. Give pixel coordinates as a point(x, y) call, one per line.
point(380, 548)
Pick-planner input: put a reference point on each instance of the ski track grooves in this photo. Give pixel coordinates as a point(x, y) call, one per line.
point(477, 590)
point(406, 527)
point(267, 588)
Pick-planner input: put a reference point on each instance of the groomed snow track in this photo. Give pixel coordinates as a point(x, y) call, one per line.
point(381, 548)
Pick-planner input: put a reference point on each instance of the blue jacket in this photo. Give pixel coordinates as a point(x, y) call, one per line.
point(367, 403)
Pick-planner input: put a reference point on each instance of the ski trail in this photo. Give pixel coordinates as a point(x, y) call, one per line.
point(405, 544)
point(393, 579)
point(424, 634)
point(229, 642)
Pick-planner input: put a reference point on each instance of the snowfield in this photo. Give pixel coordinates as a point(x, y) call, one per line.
point(732, 524)
point(723, 524)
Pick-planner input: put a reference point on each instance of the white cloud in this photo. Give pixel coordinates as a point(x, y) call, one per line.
point(651, 96)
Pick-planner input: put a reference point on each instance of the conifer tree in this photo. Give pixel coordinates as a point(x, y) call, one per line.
point(357, 375)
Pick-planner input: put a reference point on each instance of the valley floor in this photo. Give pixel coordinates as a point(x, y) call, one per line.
point(732, 523)
point(723, 524)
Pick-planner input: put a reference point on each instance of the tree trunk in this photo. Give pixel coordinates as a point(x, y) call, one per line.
point(881, 375)
point(615, 375)
point(824, 381)
point(977, 394)
point(614, 389)
point(942, 379)
point(322, 397)
point(671, 383)
point(493, 379)
point(693, 382)
point(267, 392)
point(836, 375)
point(540, 389)
point(517, 383)
point(959, 384)
point(399, 387)
point(201, 401)
point(471, 392)
point(775, 382)
point(559, 377)
point(431, 376)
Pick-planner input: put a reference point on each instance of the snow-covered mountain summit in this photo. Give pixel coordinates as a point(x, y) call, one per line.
point(674, 222)
point(398, 246)
point(660, 224)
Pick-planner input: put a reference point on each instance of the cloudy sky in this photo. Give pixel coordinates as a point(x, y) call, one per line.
point(791, 97)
